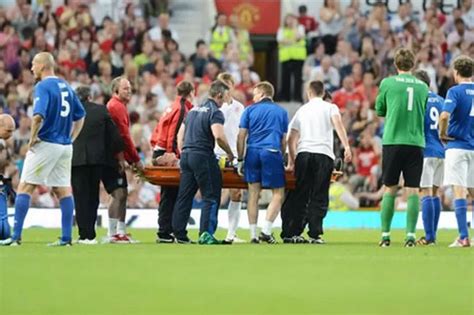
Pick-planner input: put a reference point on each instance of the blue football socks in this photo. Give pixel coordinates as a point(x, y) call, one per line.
point(22, 203)
point(427, 214)
point(460, 207)
point(437, 213)
point(67, 209)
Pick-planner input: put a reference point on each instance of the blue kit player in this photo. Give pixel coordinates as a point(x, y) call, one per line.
point(262, 137)
point(433, 165)
point(456, 127)
point(58, 116)
point(7, 127)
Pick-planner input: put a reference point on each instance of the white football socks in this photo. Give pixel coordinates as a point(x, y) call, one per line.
point(267, 227)
point(121, 228)
point(112, 227)
point(233, 213)
point(253, 231)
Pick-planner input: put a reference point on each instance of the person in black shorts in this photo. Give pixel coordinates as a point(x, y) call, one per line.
point(93, 149)
point(402, 101)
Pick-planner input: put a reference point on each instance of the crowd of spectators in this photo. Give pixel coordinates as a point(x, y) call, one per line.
point(351, 51)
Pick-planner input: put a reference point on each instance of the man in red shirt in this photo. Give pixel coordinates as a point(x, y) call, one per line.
point(347, 94)
point(114, 177)
point(165, 153)
point(307, 21)
point(366, 159)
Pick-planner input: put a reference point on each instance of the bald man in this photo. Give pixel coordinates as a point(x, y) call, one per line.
point(58, 117)
point(7, 126)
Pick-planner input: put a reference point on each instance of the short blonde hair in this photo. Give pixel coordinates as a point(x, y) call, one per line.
point(266, 88)
point(226, 77)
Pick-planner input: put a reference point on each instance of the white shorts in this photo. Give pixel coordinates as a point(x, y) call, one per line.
point(433, 171)
point(459, 168)
point(48, 164)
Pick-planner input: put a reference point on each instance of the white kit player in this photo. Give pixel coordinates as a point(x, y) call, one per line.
point(232, 113)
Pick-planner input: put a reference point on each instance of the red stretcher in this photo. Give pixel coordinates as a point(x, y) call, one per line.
point(169, 176)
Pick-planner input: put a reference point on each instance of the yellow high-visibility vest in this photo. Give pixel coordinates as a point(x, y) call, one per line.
point(244, 45)
point(218, 41)
point(297, 51)
point(335, 192)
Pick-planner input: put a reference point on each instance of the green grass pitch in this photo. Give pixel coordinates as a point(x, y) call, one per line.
point(349, 275)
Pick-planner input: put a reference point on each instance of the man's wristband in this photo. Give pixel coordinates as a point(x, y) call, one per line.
point(240, 159)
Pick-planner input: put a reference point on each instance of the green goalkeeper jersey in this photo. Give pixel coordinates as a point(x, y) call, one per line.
point(402, 101)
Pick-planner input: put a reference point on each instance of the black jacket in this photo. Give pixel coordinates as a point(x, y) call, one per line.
point(99, 140)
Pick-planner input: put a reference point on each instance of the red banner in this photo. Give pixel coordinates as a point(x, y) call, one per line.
point(258, 16)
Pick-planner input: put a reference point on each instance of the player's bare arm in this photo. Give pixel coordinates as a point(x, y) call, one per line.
point(36, 123)
point(342, 134)
point(76, 128)
point(219, 135)
point(293, 138)
point(241, 138)
point(443, 127)
point(180, 137)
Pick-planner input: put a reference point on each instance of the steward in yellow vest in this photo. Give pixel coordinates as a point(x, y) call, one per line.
point(291, 54)
point(291, 48)
point(221, 34)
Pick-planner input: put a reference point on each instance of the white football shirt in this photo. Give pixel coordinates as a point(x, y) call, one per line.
point(232, 113)
point(313, 121)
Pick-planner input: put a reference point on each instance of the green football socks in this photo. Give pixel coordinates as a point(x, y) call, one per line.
point(413, 207)
point(386, 214)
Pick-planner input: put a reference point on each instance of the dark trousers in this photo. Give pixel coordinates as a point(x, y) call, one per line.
point(308, 203)
point(198, 171)
point(168, 195)
point(292, 69)
point(85, 182)
point(330, 43)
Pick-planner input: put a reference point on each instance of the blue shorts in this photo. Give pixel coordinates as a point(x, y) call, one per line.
point(265, 167)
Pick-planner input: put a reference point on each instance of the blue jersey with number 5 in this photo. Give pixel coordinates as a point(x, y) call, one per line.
point(434, 148)
point(460, 104)
point(56, 102)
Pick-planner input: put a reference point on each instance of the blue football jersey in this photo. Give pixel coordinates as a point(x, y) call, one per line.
point(460, 104)
point(266, 123)
point(434, 147)
point(58, 104)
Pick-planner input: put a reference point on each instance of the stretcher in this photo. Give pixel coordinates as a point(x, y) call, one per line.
point(169, 176)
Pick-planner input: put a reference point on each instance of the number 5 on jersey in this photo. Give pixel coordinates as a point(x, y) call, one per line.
point(65, 106)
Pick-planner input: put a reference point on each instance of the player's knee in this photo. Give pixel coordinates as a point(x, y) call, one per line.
point(392, 190)
point(426, 192)
point(61, 192)
point(278, 195)
point(459, 192)
point(120, 194)
point(235, 195)
point(412, 191)
point(25, 188)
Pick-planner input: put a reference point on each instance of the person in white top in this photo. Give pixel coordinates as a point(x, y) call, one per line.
point(311, 156)
point(163, 24)
point(232, 113)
